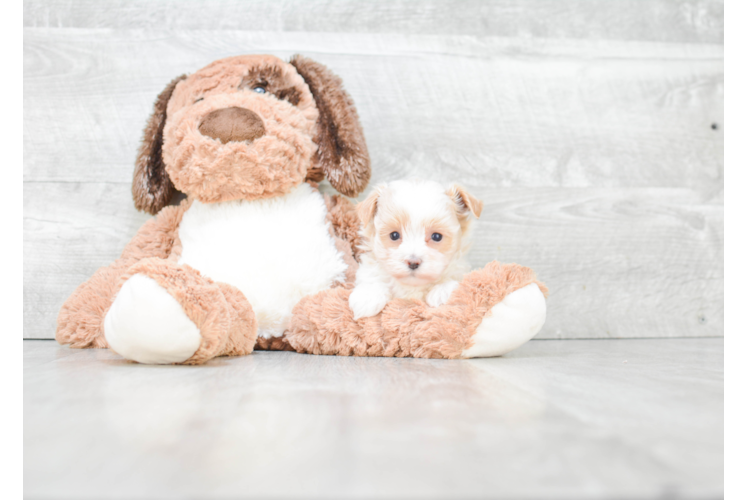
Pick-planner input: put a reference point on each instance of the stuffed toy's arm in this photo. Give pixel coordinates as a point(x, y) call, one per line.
point(345, 222)
point(80, 321)
point(344, 227)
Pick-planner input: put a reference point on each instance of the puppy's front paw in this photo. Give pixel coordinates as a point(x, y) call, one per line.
point(367, 301)
point(440, 293)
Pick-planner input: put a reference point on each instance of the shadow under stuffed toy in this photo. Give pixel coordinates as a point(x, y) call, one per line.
point(255, 257)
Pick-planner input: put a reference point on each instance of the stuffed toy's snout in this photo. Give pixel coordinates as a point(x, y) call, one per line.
point(250, 127)
point(232, 125)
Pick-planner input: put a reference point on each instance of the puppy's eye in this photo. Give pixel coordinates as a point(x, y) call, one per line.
point(198, 100)
point(259, 90)
point(394, 236)
point(436, 237)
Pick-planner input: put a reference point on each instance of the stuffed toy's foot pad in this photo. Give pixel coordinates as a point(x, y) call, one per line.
point(147, 325)
point(509, 324)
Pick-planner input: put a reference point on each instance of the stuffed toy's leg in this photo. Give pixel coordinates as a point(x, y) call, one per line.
point(81, 320)
point(494, 310)
point(170, 313)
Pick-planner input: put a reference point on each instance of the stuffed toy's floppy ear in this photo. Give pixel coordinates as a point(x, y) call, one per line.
point(341, 153)
point(151, 187)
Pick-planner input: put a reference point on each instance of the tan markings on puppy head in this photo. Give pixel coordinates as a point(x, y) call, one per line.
point(465, 202)
point(447, 236)
point(427, 226)
point(366, 211)
point(392, 227)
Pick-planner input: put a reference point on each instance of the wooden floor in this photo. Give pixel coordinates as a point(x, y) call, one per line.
point(554, 419)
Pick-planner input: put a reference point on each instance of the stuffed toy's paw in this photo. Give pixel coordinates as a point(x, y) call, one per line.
point(147, 325)
point(169, 313)
point(509, 324)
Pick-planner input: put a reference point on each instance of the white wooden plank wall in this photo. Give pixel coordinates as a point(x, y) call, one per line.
point(733, 21)
point(591, 128)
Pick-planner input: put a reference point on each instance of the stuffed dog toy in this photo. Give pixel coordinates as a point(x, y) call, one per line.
point(254, 256)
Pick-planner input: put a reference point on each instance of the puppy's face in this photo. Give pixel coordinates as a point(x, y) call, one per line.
point(241, 127)
point(416, 228)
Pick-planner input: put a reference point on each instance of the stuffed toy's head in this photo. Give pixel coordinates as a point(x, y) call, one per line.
point(250, 127)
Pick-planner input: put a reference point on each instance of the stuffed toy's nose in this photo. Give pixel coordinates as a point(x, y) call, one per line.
point(232, 124)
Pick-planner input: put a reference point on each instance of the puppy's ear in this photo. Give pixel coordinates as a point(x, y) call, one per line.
point(367, 209)
point(342, 154)
point(465, 201)
point(151, 187)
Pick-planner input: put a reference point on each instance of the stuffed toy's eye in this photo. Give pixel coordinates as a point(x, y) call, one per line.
point(394, 236)
point(259, 90)
point(436, 237)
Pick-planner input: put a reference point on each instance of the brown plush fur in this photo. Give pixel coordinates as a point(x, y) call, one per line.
point(274, 79)
point(342, 152)
point(273, 344)
point(243, 331)
point(151, 186)
point(308, 122)
point(344, 225)
point(324, 324)
point(212, 171)
point(345, 222)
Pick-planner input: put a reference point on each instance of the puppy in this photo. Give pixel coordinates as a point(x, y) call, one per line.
point(415, 236)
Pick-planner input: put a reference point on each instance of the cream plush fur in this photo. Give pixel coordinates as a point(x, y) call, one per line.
point(160, 332)
point(224, 240)
point(255, 257)
point(510, 323)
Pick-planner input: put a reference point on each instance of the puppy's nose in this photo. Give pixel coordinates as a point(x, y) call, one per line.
point(413, 263)
point(232, 124)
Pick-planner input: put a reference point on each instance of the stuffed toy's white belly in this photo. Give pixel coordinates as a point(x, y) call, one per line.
point(275, 251)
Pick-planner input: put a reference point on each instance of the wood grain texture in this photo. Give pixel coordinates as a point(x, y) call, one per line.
point(636, 262)
point(70, 230)
point(633, 419)
point(685, 21)
point(593, 132)
point(575, 114)
point(736, 130)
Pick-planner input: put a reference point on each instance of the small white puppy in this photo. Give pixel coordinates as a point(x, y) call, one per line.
point(416, 235)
